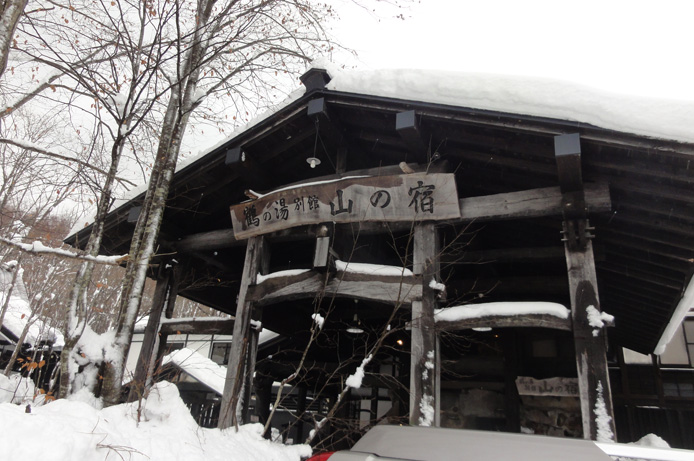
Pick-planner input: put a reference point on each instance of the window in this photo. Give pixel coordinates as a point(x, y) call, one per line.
point(174, 346)
point(220, 353)
point(688, 328)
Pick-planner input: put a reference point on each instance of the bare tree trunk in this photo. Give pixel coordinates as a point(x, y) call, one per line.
point(18, 347)
point(8, 293)
point(144, 239)
point(77, 303)
point(9, 18)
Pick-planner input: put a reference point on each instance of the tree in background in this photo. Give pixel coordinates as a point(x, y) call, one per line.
point(230, 47)
point(124, 82)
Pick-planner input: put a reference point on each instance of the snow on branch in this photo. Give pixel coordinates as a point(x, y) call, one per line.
point(40, 150)
point(354, 380)
point(38, 248)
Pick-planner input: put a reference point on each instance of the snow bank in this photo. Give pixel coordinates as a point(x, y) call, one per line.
point(66, 430)
point(16, 389)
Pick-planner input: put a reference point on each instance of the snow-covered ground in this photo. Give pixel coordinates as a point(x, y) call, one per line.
point(73, 430)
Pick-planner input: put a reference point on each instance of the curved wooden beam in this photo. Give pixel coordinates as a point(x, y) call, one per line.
point(386, 289)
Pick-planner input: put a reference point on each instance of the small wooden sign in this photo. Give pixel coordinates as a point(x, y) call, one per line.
point(555, 387)
point(412, 197)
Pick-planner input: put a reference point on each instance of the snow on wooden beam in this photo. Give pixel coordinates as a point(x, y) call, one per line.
point(402, 289)
point(504, 314)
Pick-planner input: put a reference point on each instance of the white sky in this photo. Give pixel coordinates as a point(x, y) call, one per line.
point(635, 47)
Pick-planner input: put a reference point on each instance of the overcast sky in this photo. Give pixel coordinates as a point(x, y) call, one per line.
point(627, 46)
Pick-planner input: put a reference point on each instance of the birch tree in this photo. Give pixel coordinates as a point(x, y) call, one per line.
point(222, 47)
point(10, 12)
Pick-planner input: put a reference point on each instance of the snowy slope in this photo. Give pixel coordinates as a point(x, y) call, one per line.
point(69, 430)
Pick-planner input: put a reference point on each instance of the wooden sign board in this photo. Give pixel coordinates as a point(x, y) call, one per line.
point(412, 197)
point(554, 387)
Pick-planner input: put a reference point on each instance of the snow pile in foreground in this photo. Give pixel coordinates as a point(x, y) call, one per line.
point(69, 430)
point(15, 389)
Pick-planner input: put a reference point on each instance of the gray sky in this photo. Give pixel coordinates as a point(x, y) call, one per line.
point(635, 47)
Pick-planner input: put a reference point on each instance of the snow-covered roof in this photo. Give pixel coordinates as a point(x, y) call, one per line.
point(536, 96)
point(19, 312)
point(199, 367)
point(541, 97)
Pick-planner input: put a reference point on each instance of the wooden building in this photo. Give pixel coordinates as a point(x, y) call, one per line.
point(356, 215)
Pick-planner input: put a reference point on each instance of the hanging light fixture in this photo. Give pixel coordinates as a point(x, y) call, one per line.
point(314, 160)
point(355, 326)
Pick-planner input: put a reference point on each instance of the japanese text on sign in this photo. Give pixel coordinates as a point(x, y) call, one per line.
point(416, 197)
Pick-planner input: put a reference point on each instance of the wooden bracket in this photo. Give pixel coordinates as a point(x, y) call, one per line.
point(567, 152)
point(576, 233)
point(407, 126)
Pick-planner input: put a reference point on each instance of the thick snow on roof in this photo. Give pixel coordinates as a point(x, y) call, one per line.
point(668, 119)
point(199, 367)
point(543, 97)
point(473, 311)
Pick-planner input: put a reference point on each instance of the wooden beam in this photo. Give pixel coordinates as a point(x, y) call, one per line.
point(387, 289)
point(199, 327)
point(591, 362)
point(534, 254)
point(556, 284)
point(240, 345)
point(423, 373)
point(590, 342)
point(507, 321)
point(533, 203)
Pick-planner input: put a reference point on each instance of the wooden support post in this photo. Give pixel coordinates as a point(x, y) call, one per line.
point(626, 393)
point(341, 162)
point(251, 356)
point(423, 384)
point(300, 413)
point(228, 415)
point(591, 361)
point(510, 374)
point(162, 349)
point(147, 360)
point(590, 342)
point(263, 399)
